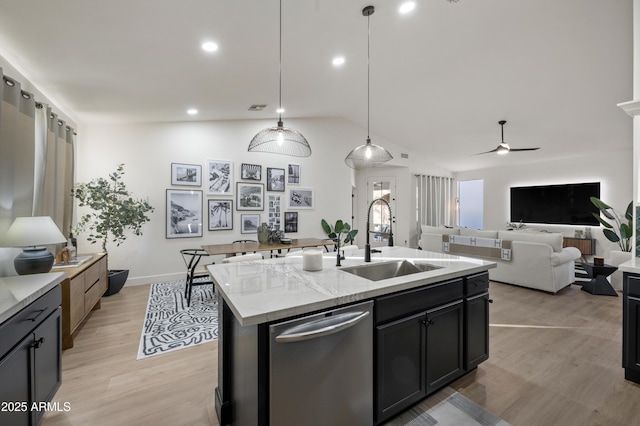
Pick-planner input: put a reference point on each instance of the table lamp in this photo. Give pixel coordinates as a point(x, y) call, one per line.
point(32, 233)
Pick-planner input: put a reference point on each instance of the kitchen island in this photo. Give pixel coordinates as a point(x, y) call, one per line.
point(416, 333)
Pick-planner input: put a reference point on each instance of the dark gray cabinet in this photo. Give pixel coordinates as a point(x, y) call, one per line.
point(426, 338)
point(30, 359)
point(631, 326)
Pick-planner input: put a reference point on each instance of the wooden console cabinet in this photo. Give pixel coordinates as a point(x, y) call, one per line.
point(81, 293)
point(587, 246)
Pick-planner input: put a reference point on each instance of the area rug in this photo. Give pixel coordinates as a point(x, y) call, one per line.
point(581, 275)
point(170, 325)
point(455, 410)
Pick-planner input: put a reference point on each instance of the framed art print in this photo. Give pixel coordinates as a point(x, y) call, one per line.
point(249, 223)
point(275, 211)
point(251, 172)
point(186, 174)
point(275, 179)
point(291, 222)
point(219, 177)
point(293, 175)
point(300, 198)
point(184, 213)
point(250, 196)
point(220, 215)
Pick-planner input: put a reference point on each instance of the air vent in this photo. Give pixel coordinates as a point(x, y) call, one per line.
point(404, 155)
point(257, 107)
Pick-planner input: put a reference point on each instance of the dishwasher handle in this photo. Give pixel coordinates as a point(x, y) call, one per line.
point(322, 327)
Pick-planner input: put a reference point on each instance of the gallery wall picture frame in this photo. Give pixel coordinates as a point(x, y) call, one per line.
point(274, 206)
point(250, 196)
point(301, 198)
point(186, 174)
point(275, 179)
point(251, 171)
point(219, 177)
point(290, 222)
point(249, 223)
point(293, 174)
point(184, 213)
point(220, 214)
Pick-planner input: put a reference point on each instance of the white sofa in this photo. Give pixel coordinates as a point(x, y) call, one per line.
point(538, 259)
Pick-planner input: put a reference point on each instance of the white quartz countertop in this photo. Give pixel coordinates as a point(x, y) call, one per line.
point(632, 266)
point(20, 291)
point(273, 289)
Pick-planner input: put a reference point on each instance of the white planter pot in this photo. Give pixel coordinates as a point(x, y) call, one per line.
point(617, 257)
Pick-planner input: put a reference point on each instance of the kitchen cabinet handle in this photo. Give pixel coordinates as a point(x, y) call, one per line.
point(322, 327)
point(33, 319)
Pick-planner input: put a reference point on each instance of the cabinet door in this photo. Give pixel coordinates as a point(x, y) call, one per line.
point(16, 385)
point(400, 377)
point(47, 356)
point(476, 330)
point(76, 301)
point(444, 345)
point(632, 358)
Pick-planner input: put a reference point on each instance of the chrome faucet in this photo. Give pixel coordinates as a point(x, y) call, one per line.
point(367, 246)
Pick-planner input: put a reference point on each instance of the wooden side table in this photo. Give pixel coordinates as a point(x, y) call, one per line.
point(599, 284)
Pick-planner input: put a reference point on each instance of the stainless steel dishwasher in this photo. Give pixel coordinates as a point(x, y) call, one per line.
point(321, 369)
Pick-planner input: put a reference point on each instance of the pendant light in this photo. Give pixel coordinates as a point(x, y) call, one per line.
point(369, 154)
point(280, 139)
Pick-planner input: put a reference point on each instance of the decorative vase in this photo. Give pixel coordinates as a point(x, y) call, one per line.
point(263, 233)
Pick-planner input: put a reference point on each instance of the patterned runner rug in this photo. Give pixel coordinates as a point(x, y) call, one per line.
point(170, 325)
point(455, 410)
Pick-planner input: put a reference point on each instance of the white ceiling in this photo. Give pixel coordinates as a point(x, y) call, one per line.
point(441, 77)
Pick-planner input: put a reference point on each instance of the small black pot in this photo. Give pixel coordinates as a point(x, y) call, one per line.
point(117, 278)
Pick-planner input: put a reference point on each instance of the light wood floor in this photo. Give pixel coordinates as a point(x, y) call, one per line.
point(555, 360)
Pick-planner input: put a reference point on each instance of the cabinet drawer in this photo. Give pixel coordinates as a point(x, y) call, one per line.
point(91, 275)
point(411, 301)
point(633, 285)
point(475, 284)
point(76, 301)
point(22, 323)
point(92, 296)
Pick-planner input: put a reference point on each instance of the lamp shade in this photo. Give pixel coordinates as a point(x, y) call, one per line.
point(367, 155)
point(280, 140)
point(32, 231)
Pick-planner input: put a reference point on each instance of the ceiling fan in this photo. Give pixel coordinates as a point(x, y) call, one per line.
point(504, 147)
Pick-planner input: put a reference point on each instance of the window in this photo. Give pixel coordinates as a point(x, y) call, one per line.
point(470, 204)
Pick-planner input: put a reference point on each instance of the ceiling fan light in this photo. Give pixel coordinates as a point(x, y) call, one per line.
point(503, 149)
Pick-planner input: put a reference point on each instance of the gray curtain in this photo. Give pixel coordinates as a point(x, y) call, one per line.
point(36, 161)
point(436, 201)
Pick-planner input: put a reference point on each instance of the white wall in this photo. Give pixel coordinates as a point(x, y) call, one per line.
point(612, 169)
point(147, 150)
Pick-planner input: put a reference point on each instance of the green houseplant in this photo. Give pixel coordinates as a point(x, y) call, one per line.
point(335, 232)
point(620, 230)
point(114, 211)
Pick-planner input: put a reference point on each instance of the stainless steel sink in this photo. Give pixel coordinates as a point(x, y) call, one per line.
point(386, 270)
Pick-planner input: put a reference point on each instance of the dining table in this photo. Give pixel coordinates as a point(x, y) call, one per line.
point(241, 247)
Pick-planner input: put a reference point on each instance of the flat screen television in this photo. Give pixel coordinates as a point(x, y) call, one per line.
point(567, 204)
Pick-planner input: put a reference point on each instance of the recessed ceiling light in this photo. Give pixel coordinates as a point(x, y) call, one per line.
point(407, 7)
point(337, 61)
point(280, 110)
point(209, 46)
point(192, 111)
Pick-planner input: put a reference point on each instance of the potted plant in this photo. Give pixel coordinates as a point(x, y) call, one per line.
point(114, 211)
point(335, 232)
point(621, 230)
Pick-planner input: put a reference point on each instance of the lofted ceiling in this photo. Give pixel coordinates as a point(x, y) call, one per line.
point(441, 77)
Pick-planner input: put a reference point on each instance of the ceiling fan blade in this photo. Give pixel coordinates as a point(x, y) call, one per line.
point(524, 149)
point(488, 152)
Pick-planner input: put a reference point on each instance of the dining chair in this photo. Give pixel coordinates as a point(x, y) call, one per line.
point(192, 258)
point(245, 241)
point(242, 258)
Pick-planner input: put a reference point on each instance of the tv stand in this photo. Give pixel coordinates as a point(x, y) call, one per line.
point(587, 246)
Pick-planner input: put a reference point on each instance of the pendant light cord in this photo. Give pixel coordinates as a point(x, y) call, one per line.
point(368, 72)
point(280, 69)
